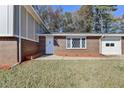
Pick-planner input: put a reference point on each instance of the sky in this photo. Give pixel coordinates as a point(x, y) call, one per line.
point(69, 8)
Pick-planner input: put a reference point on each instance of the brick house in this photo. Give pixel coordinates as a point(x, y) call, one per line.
point(23, 36)
point(83, 44)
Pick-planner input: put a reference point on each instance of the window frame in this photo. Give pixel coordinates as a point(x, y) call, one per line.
point(109, 44)
point(112, 44)
point(71, 37)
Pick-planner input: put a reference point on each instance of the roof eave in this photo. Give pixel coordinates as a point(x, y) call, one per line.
point(31, 10)
point(80, 34)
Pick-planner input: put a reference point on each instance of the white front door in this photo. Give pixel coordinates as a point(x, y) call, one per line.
point(111, 45)
point(49, 45)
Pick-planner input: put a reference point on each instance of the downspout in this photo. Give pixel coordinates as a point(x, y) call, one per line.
point(19, 41)
point(20, 56)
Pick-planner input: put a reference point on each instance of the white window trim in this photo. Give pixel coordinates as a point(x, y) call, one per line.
point(80, 42)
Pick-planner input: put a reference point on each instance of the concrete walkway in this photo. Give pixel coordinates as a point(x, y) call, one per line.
point(54, 57)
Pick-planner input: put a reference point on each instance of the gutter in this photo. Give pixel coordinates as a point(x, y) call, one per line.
point(19, 41)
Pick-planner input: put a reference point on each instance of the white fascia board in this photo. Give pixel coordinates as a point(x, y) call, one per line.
point(113, 35)
point(67, 35)
point(80, 34)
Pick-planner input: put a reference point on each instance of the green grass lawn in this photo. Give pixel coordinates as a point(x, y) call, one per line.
point(61, 73)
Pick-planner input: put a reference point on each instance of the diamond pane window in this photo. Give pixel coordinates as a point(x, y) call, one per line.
point(75, 42)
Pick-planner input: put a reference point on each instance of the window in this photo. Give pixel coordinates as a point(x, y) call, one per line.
point(75, 43)
point(110, 44)
point(107, 44)
point(83, 42)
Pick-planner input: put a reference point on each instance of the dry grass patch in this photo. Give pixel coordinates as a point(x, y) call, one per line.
point(62, 73)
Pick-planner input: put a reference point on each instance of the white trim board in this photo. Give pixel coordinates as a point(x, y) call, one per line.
point(81, 34)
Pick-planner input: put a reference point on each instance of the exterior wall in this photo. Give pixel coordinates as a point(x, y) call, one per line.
point(38, 30)
point(10, 27)
point(6, 20)
point(23, 22)
point(91, 50)
point(42, 41)
point(122, 45)
point(8, 50)
point(9, 22)
point(29, 25)
point(31, 29)
point(29, 48)
point(16, 20)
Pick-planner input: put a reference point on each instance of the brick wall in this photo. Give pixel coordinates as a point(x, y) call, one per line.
point(8, 50)
point(92, 47)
